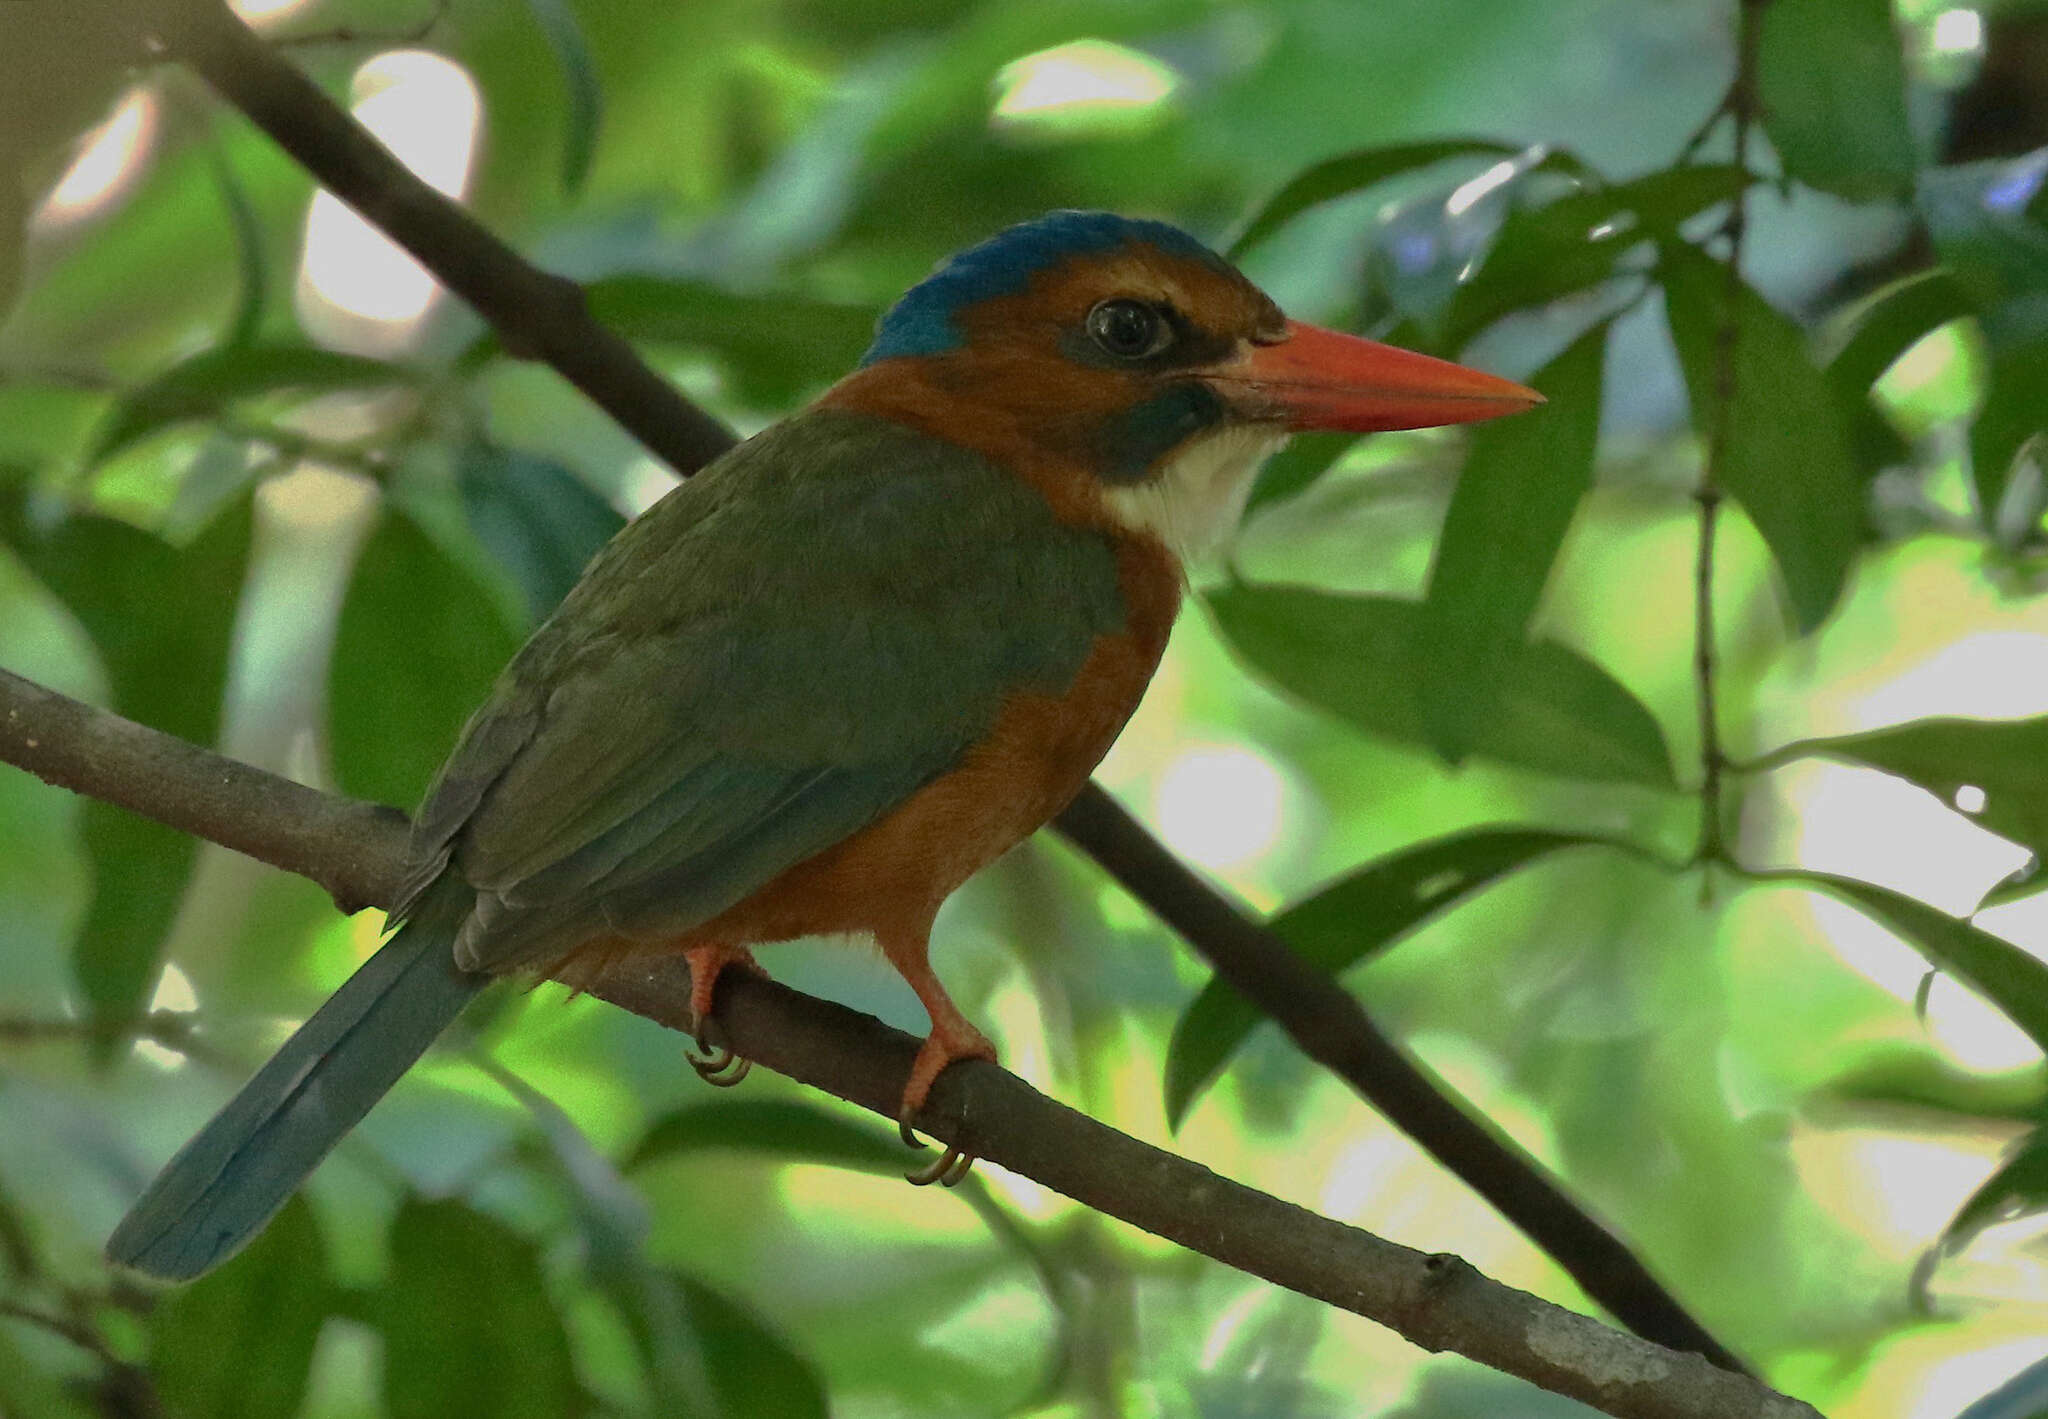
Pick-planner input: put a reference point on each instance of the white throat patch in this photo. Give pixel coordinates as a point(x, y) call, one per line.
point(1194, 501)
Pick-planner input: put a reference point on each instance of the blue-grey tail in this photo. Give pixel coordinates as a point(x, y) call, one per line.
point(224, 1185)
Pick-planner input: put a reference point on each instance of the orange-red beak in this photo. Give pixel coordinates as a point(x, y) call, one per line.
point(1321, 379)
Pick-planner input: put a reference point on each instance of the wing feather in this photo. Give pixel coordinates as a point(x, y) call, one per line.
point(774, 656)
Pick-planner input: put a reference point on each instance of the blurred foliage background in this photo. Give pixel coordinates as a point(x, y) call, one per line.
point(261, 487)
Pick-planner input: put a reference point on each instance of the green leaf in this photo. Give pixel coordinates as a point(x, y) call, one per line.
point(469, 1327)
point(1832, 79)
point(1875, 334)
point(254, 269)
point(538, 520)
point(1890, 321)
point(1364, 659)
point(1352, 172)
point(1984, 221)
point(804, 1133)
point(1522, 482)
point(2011, 979)
point(1988, 223)
point(1544, 253)
point(791, 1132)
point(2020, 1186)
point(2013, 414)
point(1895, 1073)
point(418, 646)
point(752, 1369)
point(162, 620)
point(558, 24)
point(1347, 922)
point(614, 1222)
point(2006, 759)
point(238, 1343)
point(204, 385)
point(1785, 453)
point(777, 346)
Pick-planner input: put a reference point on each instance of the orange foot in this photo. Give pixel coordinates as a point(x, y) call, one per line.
point(716, 1066)
point(952, 1038)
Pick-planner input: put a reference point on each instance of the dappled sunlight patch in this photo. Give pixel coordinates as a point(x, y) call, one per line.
point(358, 290)
point(110, 161)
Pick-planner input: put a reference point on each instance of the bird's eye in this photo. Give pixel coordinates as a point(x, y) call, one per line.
point(1129, 330)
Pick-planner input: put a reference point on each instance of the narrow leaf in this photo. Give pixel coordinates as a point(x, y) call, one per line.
point(1544, 253)
point(207, 383)
point(1988, 222)
point(418, 645)
point(2006, 759)
point(469, 1327)
point(254, 270)
point(1364, 659)
point(1889, 322)
point(162, 620)
point(2020, 1186)
point(1832, 78)
point(1353, 172)
point(2013, 980)
point(538, 520)
point(1522, 482)
point(794, 1132)
point(804, 1133)
point(752, 1369)
point(1878, 332)
point(238, 1343)
point(558, 23)
point(1351, 921)
point(1785, 454)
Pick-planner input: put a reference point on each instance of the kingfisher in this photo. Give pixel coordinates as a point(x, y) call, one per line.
point(823, 682)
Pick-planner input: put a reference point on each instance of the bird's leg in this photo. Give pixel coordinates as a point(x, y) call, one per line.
point(720, 1066)
point(952, 1037)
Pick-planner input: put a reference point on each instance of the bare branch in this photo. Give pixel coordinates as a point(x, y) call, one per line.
point(348, 848)
point(1438, 1302)
point(1333, 1029)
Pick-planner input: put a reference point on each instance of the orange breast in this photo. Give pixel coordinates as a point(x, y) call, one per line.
point(892, 875)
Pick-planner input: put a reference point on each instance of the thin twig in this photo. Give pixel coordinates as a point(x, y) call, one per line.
point(1741, 106)
point(1438, 1302)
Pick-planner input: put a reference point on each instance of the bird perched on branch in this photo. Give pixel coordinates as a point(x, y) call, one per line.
point(823, 682)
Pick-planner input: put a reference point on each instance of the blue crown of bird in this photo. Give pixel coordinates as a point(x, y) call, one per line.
point(823, 682)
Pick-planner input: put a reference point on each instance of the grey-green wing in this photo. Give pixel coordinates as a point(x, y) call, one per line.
point(785, 648)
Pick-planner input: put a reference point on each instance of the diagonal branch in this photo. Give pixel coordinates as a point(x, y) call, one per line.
point(545, 317)
point(1438, 1302)
point(1332, 1028)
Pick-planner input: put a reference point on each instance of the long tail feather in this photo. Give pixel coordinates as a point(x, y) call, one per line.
point(224, 1185)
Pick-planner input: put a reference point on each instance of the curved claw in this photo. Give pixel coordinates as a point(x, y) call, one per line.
point(908, 1134)
point(951, 1166)
point(720, 1068)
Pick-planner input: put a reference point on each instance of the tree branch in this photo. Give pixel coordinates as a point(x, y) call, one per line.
point(1332, 1028)
point(1438, 1302)
point(545, 317)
